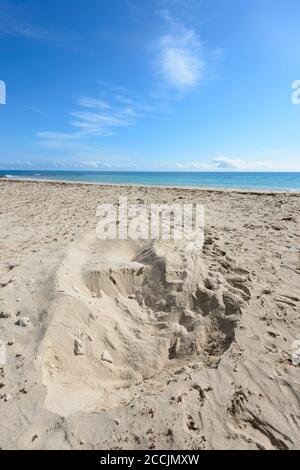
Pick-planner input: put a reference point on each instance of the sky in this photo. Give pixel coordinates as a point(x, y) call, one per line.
point(159, 85)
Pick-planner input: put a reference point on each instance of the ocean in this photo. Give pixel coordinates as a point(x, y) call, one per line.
point(242, 180)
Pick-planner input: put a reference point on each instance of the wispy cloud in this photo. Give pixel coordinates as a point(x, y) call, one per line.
point(100, 165)
point(17, 19)
point(96, 117)
point(182, 58)
point(181, 61)
point(186, 166)
point(98, 123)
point(88, 102)
point(13, 23)
point(226, 163)
point(102, 118)
point(59, 140)
point(13, 164)
point(77, 164)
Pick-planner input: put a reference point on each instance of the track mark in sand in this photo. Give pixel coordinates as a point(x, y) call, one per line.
point(251, 426)
point(155, 307)
point(196, 313)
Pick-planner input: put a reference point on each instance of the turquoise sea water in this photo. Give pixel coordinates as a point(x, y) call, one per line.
point(243, 180)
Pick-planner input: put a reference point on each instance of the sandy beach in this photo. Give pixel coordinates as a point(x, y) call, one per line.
point(146, 345)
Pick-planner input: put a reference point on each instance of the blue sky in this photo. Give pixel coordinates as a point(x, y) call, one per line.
point(150, 84)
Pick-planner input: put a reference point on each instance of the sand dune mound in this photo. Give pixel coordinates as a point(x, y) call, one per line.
point(125, 311)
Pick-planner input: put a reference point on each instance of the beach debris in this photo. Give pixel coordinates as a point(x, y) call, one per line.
point(79, 349)
point(180, 330)
point(5, 281)
point(296, 358)
point(23, 321)
point(106, 357)
point(296, 353)
point(93, 316)
point(5, 315)
point(5, 397)
point(182, 370)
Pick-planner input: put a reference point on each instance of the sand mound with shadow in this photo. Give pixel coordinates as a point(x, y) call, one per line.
point(124, 311)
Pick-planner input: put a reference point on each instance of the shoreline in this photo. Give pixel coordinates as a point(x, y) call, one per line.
point(149, 186)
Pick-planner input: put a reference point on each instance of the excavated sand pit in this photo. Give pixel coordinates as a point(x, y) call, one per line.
point(132, 310)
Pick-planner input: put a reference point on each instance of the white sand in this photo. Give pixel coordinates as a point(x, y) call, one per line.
point(146, 345)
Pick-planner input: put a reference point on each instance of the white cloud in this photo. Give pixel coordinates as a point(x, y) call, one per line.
point(226, 163)
point(193, 166)
point(15, 164)
point(96, 117)
point(98, 123)
point(181, 58)
point(88, 102)
point(59, 140)
point(223, 162)
point(90, 164)
point(89, 128)
point(77, 164)
point(182, 61)
point(100, 165)
point(55, 135)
